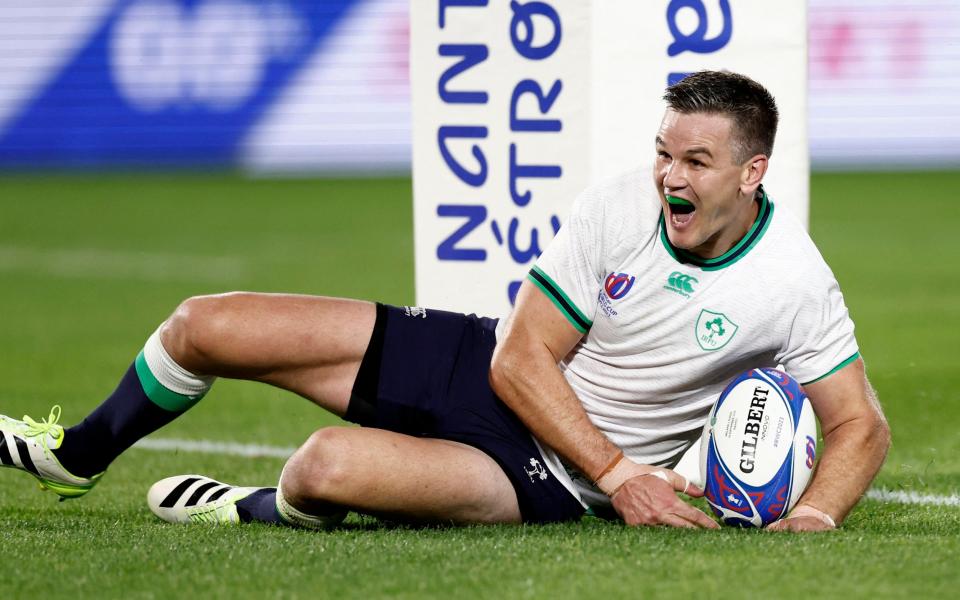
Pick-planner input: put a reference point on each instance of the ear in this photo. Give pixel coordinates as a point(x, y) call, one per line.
point(752, 174)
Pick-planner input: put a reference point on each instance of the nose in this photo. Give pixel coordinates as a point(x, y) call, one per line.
point(673, 178)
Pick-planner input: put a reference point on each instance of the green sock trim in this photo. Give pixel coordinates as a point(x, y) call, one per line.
point(159, 395)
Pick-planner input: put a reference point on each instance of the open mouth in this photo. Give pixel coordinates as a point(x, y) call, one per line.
point(681, 211)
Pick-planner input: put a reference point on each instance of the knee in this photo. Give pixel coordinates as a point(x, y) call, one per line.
point(318, 470)
point(191, 333)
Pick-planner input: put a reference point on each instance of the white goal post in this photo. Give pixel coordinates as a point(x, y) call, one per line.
point(519, 105)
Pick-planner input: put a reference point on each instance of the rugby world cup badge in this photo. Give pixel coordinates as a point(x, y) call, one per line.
point(615, 287)
point(618, 284)
point(714, 330)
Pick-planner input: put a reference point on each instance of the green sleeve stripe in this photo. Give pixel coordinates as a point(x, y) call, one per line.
point(855, 356)
point(166, 399)
point(580, 322)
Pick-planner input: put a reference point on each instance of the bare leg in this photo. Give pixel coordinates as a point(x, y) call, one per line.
point(396, 475)
point(313, 346)
point(309, 345)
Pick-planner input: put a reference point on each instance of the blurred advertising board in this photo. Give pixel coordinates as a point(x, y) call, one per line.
point(272, 85)
point(884, 83)
point(275, 86)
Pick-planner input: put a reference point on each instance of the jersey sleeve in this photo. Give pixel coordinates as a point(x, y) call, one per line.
point(821, 340)
point(569, 270)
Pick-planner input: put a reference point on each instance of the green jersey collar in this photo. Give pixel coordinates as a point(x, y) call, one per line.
point(739, 250)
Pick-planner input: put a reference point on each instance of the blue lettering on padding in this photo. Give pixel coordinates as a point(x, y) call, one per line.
point(529, 86)
point(445, 4)
point(697, 41)
point(523, 16)
point(473, 54)
point(512, 288)
point(517, 171)
point(519, 255)
point(475, 214)
point(464, 131)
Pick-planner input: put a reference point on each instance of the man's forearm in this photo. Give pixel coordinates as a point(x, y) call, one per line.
point(532, 385)
point(856, 438)
point(525, 374)
point(853, 454)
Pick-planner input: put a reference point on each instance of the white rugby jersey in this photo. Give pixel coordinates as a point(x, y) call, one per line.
point(665, 331)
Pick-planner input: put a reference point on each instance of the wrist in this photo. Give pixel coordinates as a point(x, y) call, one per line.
point(620, 469)
point(603, 479)
point(805, 510)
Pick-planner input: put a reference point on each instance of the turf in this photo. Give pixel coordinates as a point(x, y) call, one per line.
point(90, 265)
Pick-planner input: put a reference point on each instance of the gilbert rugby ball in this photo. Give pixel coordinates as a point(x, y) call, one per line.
point(758, 448)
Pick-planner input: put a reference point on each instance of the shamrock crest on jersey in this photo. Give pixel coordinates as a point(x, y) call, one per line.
point(714, 330)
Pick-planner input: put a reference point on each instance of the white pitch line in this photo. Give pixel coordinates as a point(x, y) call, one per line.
point(208, 447)
point(255, 450)
point(901, 497)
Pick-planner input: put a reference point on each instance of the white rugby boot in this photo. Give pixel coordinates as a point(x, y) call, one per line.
point(196, 499)
point(28, 445)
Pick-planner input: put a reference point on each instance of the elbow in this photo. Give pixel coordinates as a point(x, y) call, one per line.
point(511, 369)
point(874, 436)
point(882, 435)
point(503, 367)
point(880, 431)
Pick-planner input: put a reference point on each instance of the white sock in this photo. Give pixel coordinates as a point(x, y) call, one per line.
point(171, 375)
point(296, 517)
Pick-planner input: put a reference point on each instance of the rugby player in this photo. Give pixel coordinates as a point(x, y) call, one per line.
point(654, 294)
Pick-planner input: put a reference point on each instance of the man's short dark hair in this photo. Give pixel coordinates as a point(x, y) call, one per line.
point(747, 103)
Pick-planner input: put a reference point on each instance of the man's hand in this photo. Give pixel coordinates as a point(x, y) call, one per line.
point(649, 498)
point(804, 518)
point(798, 524)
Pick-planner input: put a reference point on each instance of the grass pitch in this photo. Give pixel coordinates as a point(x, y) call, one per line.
point(90, 265)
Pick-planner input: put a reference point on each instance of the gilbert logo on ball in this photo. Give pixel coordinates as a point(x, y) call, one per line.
point(758, 448)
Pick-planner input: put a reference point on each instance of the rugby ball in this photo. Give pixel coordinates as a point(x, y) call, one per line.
point(758, 448)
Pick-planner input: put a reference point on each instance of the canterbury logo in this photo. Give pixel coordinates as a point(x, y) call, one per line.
point(681, 283)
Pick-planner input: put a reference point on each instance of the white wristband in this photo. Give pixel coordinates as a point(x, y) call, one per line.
point(805, 510)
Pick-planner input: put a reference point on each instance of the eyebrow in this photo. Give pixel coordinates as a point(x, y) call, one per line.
point(695, 150)
point(699, 150)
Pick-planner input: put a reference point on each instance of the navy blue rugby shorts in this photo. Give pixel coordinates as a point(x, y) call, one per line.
point(425, 374)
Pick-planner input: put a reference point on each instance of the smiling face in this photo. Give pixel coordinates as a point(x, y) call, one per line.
point(707, 196)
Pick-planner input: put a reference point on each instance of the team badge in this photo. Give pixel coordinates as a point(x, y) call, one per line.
point(714, 330)
point(415, 311)
point(618, 284)
point(537, 471)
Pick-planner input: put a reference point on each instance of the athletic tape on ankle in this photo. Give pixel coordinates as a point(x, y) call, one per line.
point(296, 517)
point(167, 384)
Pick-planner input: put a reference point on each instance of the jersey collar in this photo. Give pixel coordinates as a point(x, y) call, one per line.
point(739, 250)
